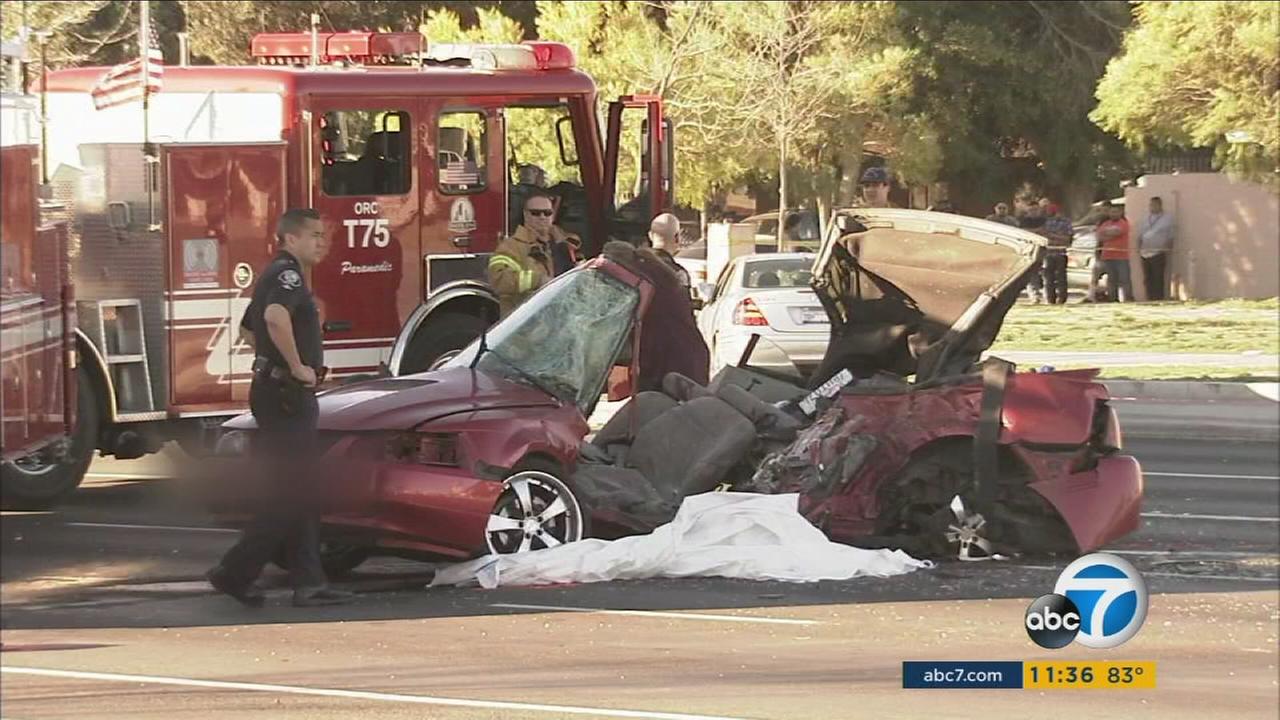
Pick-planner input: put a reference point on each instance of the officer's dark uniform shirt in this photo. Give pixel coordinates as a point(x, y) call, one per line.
point(282, 284)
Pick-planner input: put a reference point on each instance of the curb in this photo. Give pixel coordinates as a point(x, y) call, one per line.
point(1199, 391)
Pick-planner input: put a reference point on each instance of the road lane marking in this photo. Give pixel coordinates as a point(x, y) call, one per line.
point(1194, 553)
point(128, 476)
point(358, 694)
point(1210, 476)
point(126, 526)
point(1225, 518)
point(1187, 576)
point(660, 614)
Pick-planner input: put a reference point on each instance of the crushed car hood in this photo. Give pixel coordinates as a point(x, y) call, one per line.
point(401, 403)
point(916, 292)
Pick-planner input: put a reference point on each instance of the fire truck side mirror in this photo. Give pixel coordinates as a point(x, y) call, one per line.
point(330, 138)
point(566, 156)
point(669, 159)
point(119, 216)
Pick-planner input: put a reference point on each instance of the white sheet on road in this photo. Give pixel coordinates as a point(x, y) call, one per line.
point(733, 535)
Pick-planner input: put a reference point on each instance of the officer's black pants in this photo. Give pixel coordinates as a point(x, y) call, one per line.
point(283, 450)
point(1055, 278)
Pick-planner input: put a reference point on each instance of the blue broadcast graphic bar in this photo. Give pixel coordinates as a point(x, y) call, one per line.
point(942, 674)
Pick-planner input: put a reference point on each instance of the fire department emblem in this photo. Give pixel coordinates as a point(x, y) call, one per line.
point(462, 216)
point(243, 275)
point(290, 280)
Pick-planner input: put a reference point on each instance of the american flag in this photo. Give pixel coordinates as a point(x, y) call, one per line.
point(460, 173)
point(123, 83)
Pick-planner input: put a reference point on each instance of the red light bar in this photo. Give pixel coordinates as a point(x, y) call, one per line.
point(356, 45)
point(552, 55)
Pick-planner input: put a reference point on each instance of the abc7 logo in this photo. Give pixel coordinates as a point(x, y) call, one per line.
point(1100, 601)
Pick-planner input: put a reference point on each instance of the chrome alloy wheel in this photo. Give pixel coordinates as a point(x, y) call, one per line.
point(535, 511)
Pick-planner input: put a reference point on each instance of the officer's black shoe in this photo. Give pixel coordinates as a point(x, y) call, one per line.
point(249, 596)
point(314, 597)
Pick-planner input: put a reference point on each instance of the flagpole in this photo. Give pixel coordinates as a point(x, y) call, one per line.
point(148, 152)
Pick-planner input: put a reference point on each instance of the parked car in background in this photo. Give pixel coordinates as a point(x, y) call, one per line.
point(766, 295)
point(802, 235)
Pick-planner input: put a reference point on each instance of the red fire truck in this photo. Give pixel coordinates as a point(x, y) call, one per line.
point(410, 153)
point(46, 445)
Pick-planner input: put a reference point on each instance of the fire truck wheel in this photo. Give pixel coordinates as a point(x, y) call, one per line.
point(336, 559)
point(41, 479)
point(440, 338)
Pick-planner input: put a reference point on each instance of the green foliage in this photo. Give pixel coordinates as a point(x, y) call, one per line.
point(1192, 72)
point(1008, 87)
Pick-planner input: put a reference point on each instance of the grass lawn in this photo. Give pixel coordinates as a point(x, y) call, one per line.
point(1226, 326)
point(1191, 373)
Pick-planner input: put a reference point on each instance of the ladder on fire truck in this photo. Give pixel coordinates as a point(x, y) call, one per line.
point(120, 328)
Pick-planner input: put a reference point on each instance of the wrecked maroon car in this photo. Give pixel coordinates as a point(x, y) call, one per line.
point(904, 436)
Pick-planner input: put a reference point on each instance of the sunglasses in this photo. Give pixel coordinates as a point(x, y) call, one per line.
point(540, 213)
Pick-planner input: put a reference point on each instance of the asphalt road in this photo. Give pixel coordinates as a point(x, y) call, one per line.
point(104, 616)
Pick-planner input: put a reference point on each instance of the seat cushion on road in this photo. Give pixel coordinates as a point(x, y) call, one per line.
point(643, 407)
point(621, 496)
point(690, 448)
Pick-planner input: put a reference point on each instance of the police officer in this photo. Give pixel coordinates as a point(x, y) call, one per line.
point(285, 329)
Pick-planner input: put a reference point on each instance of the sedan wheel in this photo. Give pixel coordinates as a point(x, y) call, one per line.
point(536, 510)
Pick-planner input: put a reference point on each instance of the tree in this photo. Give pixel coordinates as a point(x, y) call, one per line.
point(1008, 87)
point(669, 49)
point(809, 74)
point(88, 32)
point(1196, 74)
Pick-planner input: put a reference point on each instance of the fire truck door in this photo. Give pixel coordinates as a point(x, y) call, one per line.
point(365, 185)
point(639, 163)
point(464, 189)
point(223, 202)
point(32, 311)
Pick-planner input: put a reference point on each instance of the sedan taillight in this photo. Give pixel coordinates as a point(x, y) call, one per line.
point(1105, 436)
point(747, 313)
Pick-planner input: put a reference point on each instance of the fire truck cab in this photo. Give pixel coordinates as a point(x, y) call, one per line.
point(45, 444)
point(414, 156)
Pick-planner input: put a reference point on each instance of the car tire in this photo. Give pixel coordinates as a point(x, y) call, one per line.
point(508, 531)
point(336, 559)
point(916, 504)
point(440, 339)
point(36, 483)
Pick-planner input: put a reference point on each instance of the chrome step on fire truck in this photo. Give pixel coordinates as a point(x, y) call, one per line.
point(410, 152)
point(46, 441)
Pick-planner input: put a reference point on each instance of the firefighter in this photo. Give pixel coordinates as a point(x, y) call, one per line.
point(536, 252)
point(288, 366)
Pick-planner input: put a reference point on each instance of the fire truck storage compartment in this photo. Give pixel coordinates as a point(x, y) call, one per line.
point(223, 201)
point(119, 266)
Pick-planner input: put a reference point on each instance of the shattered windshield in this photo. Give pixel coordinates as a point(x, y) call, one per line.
point(563, 340)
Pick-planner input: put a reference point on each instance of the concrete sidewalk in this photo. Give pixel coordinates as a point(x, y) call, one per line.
point(1058, 358)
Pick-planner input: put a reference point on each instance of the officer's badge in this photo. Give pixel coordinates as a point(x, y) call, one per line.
point(290, 280)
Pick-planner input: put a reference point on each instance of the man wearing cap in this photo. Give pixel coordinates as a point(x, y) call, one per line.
point(875, 188)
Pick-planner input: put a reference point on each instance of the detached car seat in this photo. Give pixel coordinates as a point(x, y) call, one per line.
point(662, 447)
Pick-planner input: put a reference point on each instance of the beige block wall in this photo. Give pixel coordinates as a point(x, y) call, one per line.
point(1228, 235)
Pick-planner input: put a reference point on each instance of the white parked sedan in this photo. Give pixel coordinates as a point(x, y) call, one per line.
point(766, 295)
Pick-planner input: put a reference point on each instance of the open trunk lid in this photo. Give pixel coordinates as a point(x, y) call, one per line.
point(916, 292)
